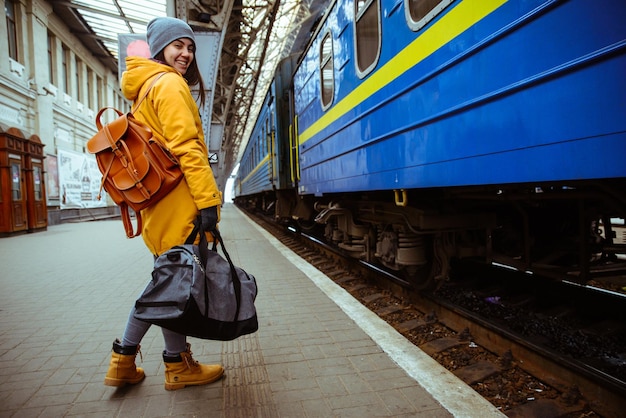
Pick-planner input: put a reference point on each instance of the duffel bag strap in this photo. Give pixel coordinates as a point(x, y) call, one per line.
point(204, 248)
point(236, 281)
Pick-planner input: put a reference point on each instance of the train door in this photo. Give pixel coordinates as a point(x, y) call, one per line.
point(294, 144)
point(271, 148)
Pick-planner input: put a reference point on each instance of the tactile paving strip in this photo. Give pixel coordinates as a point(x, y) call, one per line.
point(246, 386)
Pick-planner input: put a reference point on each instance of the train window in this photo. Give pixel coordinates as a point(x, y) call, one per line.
point(367, 35)
point(419, 12)
point(327, 71)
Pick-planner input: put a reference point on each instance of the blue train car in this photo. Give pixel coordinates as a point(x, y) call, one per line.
point(474, 92)
point(264, 166)
point(492, 129)
point(256, 172)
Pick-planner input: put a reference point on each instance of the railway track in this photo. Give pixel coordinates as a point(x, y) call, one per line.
point(509, 342)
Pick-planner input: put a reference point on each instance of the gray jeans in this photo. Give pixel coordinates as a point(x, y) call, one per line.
point(175, 343)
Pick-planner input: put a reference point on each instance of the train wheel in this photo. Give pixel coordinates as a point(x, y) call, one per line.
point(436, 270)
point(305, 225)
point(421, 277)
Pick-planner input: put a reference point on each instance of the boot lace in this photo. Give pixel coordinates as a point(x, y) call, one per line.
point(189, 360)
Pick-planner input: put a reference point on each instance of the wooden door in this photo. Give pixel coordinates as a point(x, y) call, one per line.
point(19, 218)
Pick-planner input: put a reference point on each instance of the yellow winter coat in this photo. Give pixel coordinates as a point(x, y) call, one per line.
point(172, 113)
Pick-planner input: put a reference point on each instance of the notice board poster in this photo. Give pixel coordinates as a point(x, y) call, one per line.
point(79, 180)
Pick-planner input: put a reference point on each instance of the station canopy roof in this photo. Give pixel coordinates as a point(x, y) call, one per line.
point(107, 18)
point(257, 34)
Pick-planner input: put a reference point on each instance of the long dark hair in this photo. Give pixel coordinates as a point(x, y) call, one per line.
point(192, 75)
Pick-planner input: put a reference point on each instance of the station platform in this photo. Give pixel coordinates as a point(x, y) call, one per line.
point(65, 295)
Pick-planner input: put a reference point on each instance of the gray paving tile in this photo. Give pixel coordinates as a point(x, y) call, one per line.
point(60, 313)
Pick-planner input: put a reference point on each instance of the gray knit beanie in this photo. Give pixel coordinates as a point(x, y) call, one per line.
point(164, 30)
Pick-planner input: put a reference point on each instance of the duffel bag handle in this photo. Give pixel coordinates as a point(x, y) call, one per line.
point(204, 248)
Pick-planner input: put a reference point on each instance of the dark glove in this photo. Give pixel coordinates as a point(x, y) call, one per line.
point(208, 218)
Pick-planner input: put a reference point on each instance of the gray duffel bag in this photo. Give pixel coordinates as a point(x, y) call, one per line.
point(196, 292)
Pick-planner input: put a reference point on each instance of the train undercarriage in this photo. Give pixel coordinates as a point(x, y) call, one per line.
point(570, 233)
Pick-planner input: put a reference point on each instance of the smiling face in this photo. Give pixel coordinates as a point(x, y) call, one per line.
point(180, 54)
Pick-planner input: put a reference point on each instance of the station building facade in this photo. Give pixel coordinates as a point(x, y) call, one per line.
point(51, 87)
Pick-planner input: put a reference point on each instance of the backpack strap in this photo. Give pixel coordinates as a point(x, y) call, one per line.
point(145, 94)
point(128, 224)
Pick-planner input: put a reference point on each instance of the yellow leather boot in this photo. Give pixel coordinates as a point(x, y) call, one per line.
point(122, 369)
point(182, 370)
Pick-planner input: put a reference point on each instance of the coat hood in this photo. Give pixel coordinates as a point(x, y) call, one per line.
point(138, 70)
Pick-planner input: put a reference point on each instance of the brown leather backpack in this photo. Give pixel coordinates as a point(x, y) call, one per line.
point(137, 170)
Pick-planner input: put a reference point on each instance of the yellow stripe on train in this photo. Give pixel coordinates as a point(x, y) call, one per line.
point(257, 168)
point(451, 25)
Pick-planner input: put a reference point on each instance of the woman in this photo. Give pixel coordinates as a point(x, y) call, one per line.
point(171, 112)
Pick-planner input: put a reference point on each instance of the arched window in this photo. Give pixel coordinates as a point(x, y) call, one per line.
point(419, 12)
point(367, 35)
point(327, 74)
